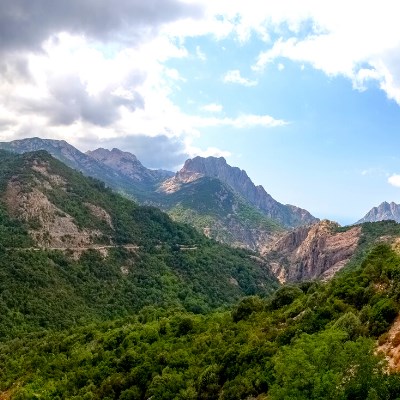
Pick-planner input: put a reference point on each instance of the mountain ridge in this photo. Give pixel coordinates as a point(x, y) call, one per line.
point(235, 211)
point(287, 215)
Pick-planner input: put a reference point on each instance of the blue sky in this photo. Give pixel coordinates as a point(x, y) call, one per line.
point(303, 95)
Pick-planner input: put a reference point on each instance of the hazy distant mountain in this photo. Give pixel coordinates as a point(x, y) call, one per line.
point(385, 211)
point(128, 165)
point(105, 170)
point(287, 215)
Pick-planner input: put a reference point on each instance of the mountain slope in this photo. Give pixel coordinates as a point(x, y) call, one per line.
point(72, 250)
point(321, 250)
point(286, 215)
point(313, 252)
point(384, 211)
point(213, 208)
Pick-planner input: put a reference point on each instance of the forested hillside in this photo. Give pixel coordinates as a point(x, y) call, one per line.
point(309, 341)
point(73, 252)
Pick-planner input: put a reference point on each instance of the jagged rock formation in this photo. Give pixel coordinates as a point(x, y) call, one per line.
point(198, 167)
point(385, 211)
point(128, 165)
point(312, 252)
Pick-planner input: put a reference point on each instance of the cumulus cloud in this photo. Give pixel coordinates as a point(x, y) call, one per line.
point(234, 76)
point(26, 24)
point(394, 180)
point(358, 40)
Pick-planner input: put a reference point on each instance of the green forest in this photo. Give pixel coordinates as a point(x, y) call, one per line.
point(180, 316)
point(307, 341)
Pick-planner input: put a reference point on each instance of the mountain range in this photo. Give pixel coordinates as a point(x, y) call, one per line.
point(219, 200)
point(103, 298)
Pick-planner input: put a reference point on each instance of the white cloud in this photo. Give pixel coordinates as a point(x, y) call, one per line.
point(234, 76)
point(209, 152)
point(394, 180)
point(242, 121)
point(281, 67)
point(200, 54)
point(212, 107)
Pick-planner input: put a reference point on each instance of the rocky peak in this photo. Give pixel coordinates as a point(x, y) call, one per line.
point(105, 155)
point(385, 211)
point(239, 181)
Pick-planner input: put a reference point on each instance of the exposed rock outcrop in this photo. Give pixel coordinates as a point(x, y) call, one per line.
point(312, 252)
point(50, 226)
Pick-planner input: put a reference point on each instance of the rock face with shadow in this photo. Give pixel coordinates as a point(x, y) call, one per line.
point(311, 252)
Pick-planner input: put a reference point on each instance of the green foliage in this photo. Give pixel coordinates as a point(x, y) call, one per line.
point(171, 266)
point(246, 307)
point(83, 328)
point(285, 296)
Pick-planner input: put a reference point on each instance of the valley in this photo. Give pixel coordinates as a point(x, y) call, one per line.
point(227, 297)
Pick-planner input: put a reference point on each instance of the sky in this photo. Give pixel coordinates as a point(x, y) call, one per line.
point(303, 95)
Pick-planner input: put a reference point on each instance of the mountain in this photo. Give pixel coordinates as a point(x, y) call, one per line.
point(73, 250)
point(75, 159)
point(208, 204)
point(217, 199)
point(385, 211)
point(287, 215)
point(216, 210)
point(128, 165)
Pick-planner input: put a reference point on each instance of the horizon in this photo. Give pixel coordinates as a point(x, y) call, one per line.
point(304, 97)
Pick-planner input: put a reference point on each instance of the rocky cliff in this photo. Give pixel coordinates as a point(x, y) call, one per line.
point(312, 252)
point(287, 215)
point(385, 211)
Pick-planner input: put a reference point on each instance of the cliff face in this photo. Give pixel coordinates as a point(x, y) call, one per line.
point(314, 252)
point(287, 215)
point(385, 211)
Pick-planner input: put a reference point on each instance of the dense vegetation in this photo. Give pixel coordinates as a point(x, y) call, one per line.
point(311, 341)
point(154, 322)
point(171, 265)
